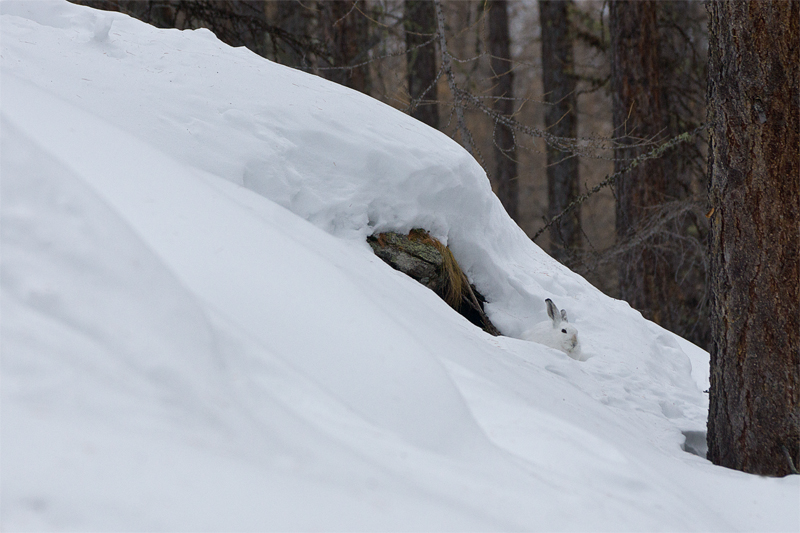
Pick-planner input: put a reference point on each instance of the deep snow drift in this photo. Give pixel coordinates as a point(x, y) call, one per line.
point(195, 335)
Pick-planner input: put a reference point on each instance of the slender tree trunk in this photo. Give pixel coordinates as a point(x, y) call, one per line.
point(420, 26)
point(161, 14)
point(240, 23)
point(505, 152)
point(754, 192)
point(447, 66)
point(561, 119)
point(346, 31)
point(683, 51)
point(647, 279)
point(294, 17)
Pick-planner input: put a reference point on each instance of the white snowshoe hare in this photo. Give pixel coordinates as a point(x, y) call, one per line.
point(556, 333)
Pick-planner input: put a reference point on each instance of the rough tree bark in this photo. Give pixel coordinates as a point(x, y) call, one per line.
point(561, 119)
point(346, 32)
point(754, 192)
point(647, 278)
point(505, 153)
point(420, 27)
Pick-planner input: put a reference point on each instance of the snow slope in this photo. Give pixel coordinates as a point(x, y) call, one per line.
point(196, 337)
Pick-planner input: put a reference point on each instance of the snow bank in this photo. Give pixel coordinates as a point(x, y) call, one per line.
point(196, 336)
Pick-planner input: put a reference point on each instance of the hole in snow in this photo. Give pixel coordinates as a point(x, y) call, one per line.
point(695, 443)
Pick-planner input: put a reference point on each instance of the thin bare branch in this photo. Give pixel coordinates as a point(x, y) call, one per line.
point(611, 179)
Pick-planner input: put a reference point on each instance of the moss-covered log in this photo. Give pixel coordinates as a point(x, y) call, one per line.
point(431, 263)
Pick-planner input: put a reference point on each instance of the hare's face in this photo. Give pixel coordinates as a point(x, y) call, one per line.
point(568, 336)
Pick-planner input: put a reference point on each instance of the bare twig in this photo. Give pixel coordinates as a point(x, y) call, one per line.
point(611, 179)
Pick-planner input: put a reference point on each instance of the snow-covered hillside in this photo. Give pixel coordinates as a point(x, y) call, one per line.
point(195, 335)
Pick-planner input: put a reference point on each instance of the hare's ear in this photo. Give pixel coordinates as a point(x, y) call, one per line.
point(564, 315)
point(552, 311)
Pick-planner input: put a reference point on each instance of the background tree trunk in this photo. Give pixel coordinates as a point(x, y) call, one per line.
point(683, 52)
point(647, 278)
point(346, 32)
point(561, 119)
point(420, 27)
point(505, 152)
point(239, 23)
point(754, 191)
point(294, 18)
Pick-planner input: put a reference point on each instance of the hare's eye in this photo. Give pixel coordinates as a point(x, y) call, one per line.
point(563, 331)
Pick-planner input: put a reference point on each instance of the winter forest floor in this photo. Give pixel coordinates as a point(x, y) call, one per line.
point(195, 334)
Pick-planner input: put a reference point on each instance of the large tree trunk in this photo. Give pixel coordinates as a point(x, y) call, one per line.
point(505, 153)
point(754, 192)
point(346, 32)
point(647, 279)
point(561, 119)
point(420, 27)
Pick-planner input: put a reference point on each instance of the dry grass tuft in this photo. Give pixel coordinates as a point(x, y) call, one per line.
point(454, 280)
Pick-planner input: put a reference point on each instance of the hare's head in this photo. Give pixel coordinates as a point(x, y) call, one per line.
point(565, 335)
